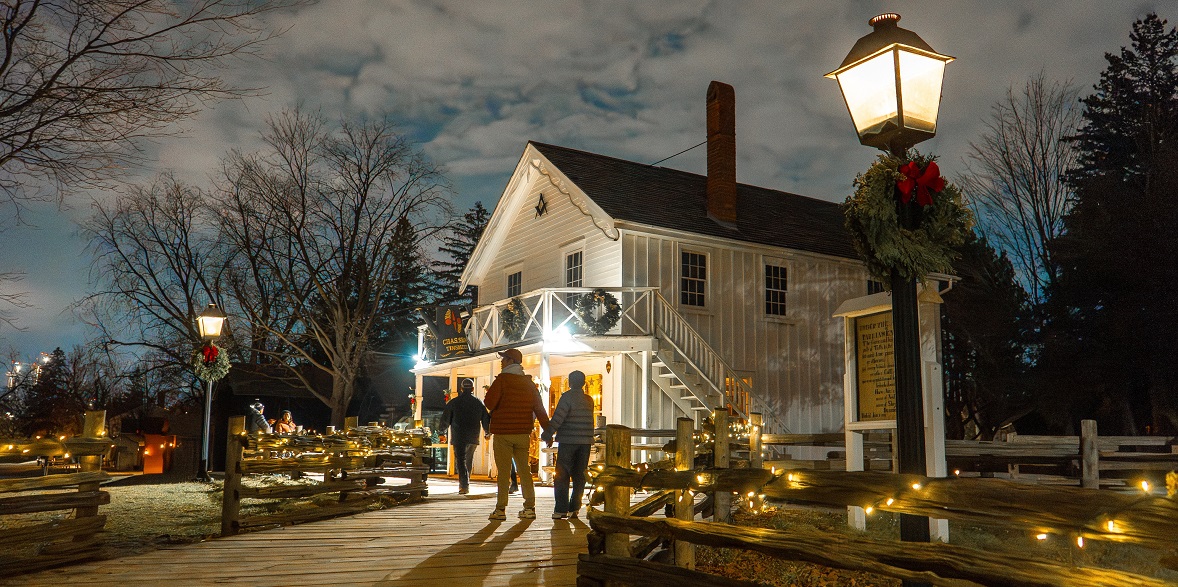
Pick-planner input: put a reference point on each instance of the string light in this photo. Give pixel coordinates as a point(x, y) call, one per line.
point(1145, 486)
point(1080, 541)
point(1041, 536)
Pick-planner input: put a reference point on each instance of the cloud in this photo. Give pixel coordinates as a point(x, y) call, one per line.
point(474, 81)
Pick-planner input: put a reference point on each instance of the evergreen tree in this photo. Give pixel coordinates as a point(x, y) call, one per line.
point(459, 244)
point(409, 288)
point(1109, 344)
point(50, 407)
point(985, 323)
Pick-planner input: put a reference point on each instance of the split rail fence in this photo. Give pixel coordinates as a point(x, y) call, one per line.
point(43, 544)
point(353, 462)
point(1069, 513)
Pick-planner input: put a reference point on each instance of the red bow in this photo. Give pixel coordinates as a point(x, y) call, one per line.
point(209, 353)
point(924, 183)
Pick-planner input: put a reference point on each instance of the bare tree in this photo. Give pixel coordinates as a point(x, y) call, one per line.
point(1015, 176)
point(81, 81)
point(158, 260)
point(312, 219)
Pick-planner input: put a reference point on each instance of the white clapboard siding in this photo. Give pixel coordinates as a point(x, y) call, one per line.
point(537, 246)
point(796, 362)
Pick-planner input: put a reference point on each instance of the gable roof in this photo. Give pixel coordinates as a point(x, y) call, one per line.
point(669, 198)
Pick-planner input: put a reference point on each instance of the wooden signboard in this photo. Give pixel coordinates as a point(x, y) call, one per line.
point(451, 334)
point(874, 354)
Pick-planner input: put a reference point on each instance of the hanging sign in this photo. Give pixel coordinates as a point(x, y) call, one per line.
point(451, 333)
point(874, 358)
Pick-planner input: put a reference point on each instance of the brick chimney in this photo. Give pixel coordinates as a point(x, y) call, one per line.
point(721, 187)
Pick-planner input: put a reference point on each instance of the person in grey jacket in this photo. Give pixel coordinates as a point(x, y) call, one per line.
point(572, 424)
point(464, 416)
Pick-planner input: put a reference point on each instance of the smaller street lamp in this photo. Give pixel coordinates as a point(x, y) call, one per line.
point(209, 324)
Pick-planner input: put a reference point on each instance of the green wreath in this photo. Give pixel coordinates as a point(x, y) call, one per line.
point(209, 363)
point(587, 305)
point(904, 216)
point(513, 319)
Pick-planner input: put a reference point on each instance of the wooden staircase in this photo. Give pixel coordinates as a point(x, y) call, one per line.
point(695, 377)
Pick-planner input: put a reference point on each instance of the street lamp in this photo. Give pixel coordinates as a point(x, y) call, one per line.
point(209, 324)
point(891, 82)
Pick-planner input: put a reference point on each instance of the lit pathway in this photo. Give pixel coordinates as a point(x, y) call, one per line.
point(446, 540)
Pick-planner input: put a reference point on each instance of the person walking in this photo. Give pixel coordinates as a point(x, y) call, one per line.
point(572, 424)
point(514, 403)
point(465, 415)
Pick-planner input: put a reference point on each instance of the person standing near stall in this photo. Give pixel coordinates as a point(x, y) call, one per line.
point(465, 415)
point(515, 404)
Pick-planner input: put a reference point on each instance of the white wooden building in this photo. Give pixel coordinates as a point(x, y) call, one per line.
point(728, 290)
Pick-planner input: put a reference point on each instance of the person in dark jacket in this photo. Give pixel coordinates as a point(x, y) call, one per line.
point(515, 405)
point(572, 424)
point(256, 422)
point(465, 415)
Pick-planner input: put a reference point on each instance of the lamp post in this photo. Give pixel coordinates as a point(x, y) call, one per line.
point(209, 324)
point(891, 82)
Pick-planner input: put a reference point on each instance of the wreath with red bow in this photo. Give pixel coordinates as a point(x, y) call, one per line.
point(209, 363)
point(905, 216)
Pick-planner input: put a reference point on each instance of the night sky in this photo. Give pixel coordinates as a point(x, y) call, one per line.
point(472, 82)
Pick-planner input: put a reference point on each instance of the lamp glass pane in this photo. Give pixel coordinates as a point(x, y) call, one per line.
point(870, 91)
point(210, 326)
point(920, 83)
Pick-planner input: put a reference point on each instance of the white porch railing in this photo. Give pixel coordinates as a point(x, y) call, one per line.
point(644, 312)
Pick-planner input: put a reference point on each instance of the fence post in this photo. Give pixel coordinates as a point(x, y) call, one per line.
point(230, 500)
point(722, 500)
point(756, 459)
point(351, 422)
point(685, 504)
point(617, 499)
point(1089, 455)
point(94, 426)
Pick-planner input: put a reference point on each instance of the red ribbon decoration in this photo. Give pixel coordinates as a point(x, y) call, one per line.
point(209, 353)
point(925, 183)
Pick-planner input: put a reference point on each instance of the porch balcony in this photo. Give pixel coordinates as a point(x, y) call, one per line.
point(646, 322)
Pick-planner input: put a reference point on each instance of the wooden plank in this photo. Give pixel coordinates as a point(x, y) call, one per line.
point(301, 463)
point(13, 537)
point(298, 490)
point(46, 502)
point(51, 481)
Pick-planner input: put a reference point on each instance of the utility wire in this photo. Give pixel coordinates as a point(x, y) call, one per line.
point(675, 155)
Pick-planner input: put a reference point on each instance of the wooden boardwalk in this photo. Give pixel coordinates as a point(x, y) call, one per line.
point(445, 541)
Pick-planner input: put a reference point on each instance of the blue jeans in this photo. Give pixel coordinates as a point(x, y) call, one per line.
point(572, 462)
point(464, 462)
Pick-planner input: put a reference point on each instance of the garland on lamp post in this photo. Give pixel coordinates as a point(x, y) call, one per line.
point(209, 363)
point(905, 216)
point(586, 311)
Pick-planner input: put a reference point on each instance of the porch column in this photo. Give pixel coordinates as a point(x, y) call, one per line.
point(419, 380)
point(644, 393)
point(545, 382)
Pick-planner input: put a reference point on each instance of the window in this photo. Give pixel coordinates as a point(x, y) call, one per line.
point(515, 284)
point(874, 287)
point(693, 278)
point(775, 290)
point(573, 269)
